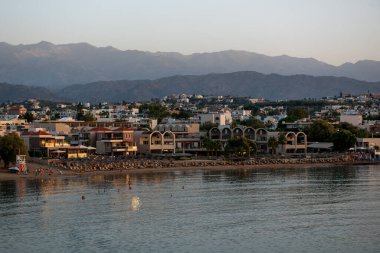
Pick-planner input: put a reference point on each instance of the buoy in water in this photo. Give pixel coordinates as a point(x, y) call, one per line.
point(83, 197)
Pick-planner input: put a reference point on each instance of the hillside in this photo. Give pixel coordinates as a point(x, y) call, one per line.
point(15, 93)
point(246, 83)
point(56, 66)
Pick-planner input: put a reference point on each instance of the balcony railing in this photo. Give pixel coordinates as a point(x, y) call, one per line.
point(125, 149)
point(52, 145)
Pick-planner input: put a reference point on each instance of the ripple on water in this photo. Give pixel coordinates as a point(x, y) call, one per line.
point(313, 210)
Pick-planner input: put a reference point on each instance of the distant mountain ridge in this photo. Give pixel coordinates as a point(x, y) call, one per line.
point(246, 83)
point(54, 66)
point(18, 93)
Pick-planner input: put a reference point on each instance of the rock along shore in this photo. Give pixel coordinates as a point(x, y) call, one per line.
point(105, 165)
point(100, 163)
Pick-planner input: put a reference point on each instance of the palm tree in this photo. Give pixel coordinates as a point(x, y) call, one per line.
point(282, 141)
point(252, 148)
point(272, 142)
point(211, 145)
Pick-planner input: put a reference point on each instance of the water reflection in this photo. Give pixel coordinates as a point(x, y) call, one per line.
point(317, 178)
point(135, 203)
point(265, 209)
point(8, 190)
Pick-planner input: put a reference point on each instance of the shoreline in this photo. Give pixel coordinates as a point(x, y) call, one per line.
point(59, 173)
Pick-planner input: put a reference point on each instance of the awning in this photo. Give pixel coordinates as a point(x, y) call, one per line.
point(58, 151)
point(321, 145)
point(85, 147)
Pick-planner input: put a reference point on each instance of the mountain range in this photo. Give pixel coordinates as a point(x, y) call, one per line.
point(244, 83)
point(19, 93)
point(56, 66)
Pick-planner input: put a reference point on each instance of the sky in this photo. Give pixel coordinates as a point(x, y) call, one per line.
point(333, 31)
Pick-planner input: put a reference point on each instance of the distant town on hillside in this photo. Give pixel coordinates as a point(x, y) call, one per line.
point(194, 125)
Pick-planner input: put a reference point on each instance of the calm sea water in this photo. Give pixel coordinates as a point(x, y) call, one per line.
point(293, 210)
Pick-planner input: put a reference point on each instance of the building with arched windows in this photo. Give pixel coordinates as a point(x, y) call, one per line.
point(174, 137)
point(296, 142)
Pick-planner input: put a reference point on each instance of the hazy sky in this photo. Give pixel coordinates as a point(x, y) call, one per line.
point(334, 31)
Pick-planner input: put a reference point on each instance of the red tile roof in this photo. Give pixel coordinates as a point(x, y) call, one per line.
point(36, 133)
point(124, 129)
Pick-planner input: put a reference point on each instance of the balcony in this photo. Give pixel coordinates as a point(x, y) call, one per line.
point(125, 149)
point(52, 145)
point(261, 139)
point(76, 155)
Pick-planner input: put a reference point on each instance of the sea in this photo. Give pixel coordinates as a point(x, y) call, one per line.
point(331, 209)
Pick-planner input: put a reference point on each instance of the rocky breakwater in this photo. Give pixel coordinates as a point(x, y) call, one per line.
point(102, 163)
point(268, 161)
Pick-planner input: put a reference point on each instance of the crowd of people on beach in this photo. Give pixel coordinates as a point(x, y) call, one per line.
point(44, 171)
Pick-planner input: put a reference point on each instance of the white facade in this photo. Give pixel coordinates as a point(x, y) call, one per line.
point(353, 119)
point(241, 114)
point(214, 118)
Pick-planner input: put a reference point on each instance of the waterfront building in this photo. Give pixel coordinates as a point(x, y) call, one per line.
point(113, 141)
point(296, 142)
point(41, 143)
point(367, 144)
point(155, 142)
point(225, 133)
point(187, 135)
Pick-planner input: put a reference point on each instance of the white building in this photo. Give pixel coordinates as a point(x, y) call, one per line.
point(241, 114)
point(218, 118)
point(353, 119)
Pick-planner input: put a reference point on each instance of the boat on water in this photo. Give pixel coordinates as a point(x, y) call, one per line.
point(14, 170)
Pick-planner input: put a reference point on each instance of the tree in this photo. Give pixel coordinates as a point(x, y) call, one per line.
point(373, 117)
point(343, 140)
point(361, 133)
point(269, 124)
point(234, 124)
point(282, 141)
point(155, 110)
point(182, 114)
point(320, 131)
point(296, 114)
point(239, 146)
point(28, 116)
point(252, 148)
point(207, 126)
point(88, 116)
point(252, 122)
point(55, 116)
point(80, 112)
point(273, 144)
point(10, 146)
point(211, 145)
